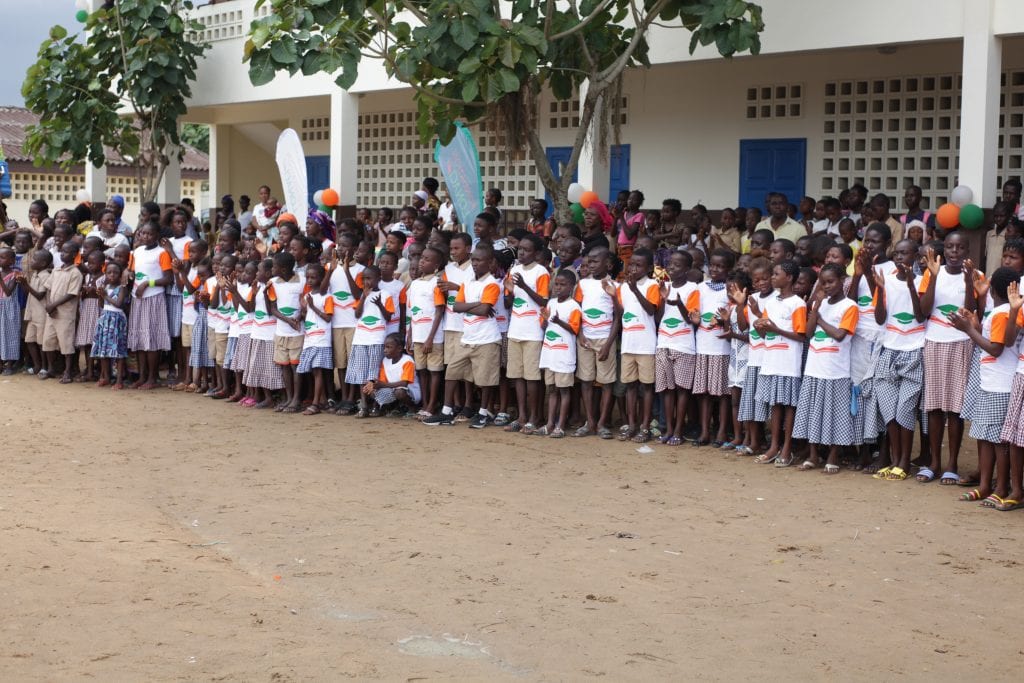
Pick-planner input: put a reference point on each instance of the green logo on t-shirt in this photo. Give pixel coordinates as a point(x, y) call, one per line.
point(416, 309)
point(628, 317)
point(140, 276)
point(552, 335)
point(864, 301)
point(371, 319)
point(308, 324)
point(260, 315)
point(820, 336)
point(518, 303)
point(671, 323)
point(949, 308)
point(707, 317)
point(903, 318)
point(593, 313)
point(771, 336)
point(451, 299)
point(287, 311)
point(754, 334)
point(342, 295)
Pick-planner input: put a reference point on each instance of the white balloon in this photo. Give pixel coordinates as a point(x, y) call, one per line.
point(82, 4)
point(317, 196)
point(575, 193)
point(961, 195)
point(82, 195)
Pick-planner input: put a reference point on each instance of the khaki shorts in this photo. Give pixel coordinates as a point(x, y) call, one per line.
point(453, 349)
point(59, 334)
point(523, 360)
point(561, 380)
point(287, 349)
point(433, 361)
point(34, 331)
point(186, 335)
point(479, 364)
point(589, 368)
point(341, 343)
point(217, 346)
point(636, 366)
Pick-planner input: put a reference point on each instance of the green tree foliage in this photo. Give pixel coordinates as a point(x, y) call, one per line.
point(197, 135)
point(474, 59)
point(120, 86)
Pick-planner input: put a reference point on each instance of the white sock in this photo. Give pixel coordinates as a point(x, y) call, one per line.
point(446, 410)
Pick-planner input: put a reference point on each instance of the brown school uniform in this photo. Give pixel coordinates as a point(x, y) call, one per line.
point(59, 333)
point(35, 309)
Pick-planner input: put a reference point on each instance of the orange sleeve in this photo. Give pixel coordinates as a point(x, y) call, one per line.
point(402, 296)
point(438, 297)
point(618, 294)
point(329, 304)
point(999, 322)
point(578, 295)
point(165, 261)
point(925, 279)
point(491, 294)
point(800, 320)
point(543, 285)
point(186, 250)
point(78, 259)
point(131, 261)
point(409, 371)
point(653, 294)
point(252, 293)
point(271, 294)
point(575, 319)
point(381, 375)
point(693, 301)
point(306, 289)
point(390, 305)
point(359, 280)
point(874, 297)
point(461, 294)
point(1020, 318)
point(849, 320)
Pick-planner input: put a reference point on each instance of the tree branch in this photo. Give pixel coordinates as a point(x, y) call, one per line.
point(415, 11)
point(583, 23)
point(609, 74)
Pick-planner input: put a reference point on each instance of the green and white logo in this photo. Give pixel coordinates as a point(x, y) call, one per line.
point(671, 323)
point(903, 318)
point(593, 313)
point(552, 335)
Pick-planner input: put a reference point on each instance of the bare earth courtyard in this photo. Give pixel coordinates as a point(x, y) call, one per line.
point(326, 548)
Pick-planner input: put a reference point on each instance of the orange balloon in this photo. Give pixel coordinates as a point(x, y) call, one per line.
point(330, 197)
point(588, 198)
point(948, 216)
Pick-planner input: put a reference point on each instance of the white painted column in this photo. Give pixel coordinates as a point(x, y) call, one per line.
point(593, 170)
point(96, 183)
point(979, 111)
point(220, 155)
point(343, 144)
point(169, 189)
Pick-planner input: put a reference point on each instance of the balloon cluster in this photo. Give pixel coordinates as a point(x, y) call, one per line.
point(580, 199)
point(325, 199)
point(960, 211)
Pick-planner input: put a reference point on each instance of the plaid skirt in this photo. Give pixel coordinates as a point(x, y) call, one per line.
point(865, 389)
point(241, 357)
point(147, 324)
point(973, 388)
point(673, 370)
point(823, 414)
point(174, 314)
point(946, 367)
point(364, 363)
point(88, 314)
point(229, 352)
point(738, 366)
point(313, 357)
point(110, 336)
point(1013, 422)
point(711, 375)
point(386, 396)
point(896, 392)
point(989, 415)
point(199, 354)
point(261, 371)
point(777, 390)
point(10, 328)
point(752, 410)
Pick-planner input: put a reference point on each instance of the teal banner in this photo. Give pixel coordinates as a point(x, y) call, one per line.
point(460, 165)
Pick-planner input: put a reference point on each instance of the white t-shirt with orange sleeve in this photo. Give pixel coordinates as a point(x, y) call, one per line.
point(424, 297)
point(709, 341)
point(371, 328)
point(396, 288)
point(639, 333)
point(826, 357)
point(997, 371)
point(558, 351)
point(148, 264)
point(950, 295)
point(287, 294)
point(480, 329)
point(263, 324)
point(524, 324)
point(902, 331)
point(344, 300)
point(318, 330)
point(675, 331)
point(783, 357)
point(401, 370)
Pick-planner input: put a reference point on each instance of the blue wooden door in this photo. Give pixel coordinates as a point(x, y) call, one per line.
point(318, 177)
point(558, 157)
point(618, 171)
point(775, 165)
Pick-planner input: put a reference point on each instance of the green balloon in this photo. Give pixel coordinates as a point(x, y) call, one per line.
point(577, 212)
point(323, 208)
point(81, 15)
point(971, 216)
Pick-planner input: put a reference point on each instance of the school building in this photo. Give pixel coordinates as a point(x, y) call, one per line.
point(883, 93)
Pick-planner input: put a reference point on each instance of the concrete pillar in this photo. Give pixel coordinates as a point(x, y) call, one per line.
point(169, 189)
point(220, 155)
point(344, 147)
point(979, 111)
point(96, 183)
point(593, 170)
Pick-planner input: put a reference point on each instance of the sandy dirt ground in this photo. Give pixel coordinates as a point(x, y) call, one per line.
point(158, 536)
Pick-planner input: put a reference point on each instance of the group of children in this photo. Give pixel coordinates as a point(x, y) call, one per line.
point(760, 354)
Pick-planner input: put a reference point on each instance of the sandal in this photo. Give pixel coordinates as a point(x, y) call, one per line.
point(925, 475)
point(583, 431)
point(1008, 505)
point(990, 502)
point(625, 435)
point(312, 410)
point(784, 462)
point(512, 426)
point(765, 459)
point(806, 465)
point(642, 436)
point(674, 441)
point(896, 474)
point(557, 433)
point(605, 433)
point(831, 469)
point(361, 414)
point(949, 479)
point(882, 473)
point(290, 409)
point(971, 496)
point(528, 429)
point(542, 431)
point(502, 419)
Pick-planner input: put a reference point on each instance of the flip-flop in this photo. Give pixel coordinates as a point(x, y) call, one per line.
point(831, 469)
point(990, 502)
point(583, 431)
point(781, 462)
point(896, 474)
point(311, 410)
point(1009, 504)
point(949, 479)
point(971, 496)
point(925, 475)
point(513, 426)
point(765, 459)
point(806, 465)
point(605, 433)
point(882, 473)
point(557, 433)
point(674, 441)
